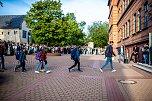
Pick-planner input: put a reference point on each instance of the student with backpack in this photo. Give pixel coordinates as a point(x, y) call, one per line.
point(45, 61)
point(22, 58)
point(75, 55)
point(108, 54)
point(40, 56)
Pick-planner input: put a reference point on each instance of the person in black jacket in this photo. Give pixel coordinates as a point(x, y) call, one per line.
point(135, 53)
point(2, 52)
point(108, 54)
point(22, 58)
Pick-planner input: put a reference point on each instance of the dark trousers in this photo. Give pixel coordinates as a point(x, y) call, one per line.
point(75, 63)
point(2, 61)
point(135, 57)
point(22, 64)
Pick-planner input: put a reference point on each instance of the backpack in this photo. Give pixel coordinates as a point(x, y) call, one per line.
point(17, 55)
point(73, 53)
point(38, 55)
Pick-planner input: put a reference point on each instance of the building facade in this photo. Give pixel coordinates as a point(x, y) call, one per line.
point(13, 28)
point(130, 23)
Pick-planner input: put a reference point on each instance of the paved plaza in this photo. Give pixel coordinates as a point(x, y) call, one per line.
point(62, 85)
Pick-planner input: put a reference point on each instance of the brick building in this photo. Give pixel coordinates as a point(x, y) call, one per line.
point(130, 23)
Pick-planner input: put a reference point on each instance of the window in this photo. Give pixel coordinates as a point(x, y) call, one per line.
point(126, 30)
point(129, 27)
point(124, 5)
point(8, 33)
point(121, 9)
point(24, 34)
point(124, 36)
point(127, 3)
point(134, 22)
point(146, 14)
point(139, 19)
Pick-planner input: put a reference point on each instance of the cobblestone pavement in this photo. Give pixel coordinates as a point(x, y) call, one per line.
point(60, 85)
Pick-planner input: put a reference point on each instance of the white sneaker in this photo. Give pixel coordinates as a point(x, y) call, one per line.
point(48, 71)
point(101, 70)
point(37, 72)
point(113, 70)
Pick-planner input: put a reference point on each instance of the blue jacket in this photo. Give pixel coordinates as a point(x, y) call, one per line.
point(77, 55)
point(22, 57)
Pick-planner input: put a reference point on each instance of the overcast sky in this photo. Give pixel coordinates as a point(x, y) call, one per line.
point(84, 10)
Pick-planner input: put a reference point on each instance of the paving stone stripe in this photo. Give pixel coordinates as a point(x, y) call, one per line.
point(113, 91)
point(26, 89)
point(60, 85)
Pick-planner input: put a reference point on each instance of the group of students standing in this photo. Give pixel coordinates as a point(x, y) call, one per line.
point(140, 55)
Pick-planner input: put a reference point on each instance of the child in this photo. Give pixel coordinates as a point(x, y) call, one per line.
point(22, 58)
point(42, 61)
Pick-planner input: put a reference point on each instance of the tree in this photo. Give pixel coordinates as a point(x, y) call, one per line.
point(50, 25)
point(98, 33)
point(1, 4)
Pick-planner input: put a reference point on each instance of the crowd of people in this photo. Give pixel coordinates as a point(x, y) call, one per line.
point(138, 54)
point(20, 50)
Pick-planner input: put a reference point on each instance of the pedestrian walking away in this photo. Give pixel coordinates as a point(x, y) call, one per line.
point(75, 56)
point(22, 58)
point(108, 54)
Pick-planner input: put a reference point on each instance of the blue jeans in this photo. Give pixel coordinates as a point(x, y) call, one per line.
point(38, 66)
point(145, 58)
point(109, 59)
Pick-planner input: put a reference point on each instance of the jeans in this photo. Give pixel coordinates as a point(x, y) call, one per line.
point(119, 58)
point(109, 59)
point(145, 58)
point(38, 66)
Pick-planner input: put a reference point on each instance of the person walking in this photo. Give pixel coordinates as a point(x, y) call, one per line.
point(119, 54)
point(75, 55)
point(22, 58)
point(2, 52)
point(108, 54)
point(146, 53)
point(40, 56)
point(135, 54)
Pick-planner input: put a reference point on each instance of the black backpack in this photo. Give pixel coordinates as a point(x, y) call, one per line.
point(73, 53)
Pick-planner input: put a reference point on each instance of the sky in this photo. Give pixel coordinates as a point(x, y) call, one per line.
point(84, 10)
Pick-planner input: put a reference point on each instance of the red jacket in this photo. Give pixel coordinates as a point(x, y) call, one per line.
point(43, 56)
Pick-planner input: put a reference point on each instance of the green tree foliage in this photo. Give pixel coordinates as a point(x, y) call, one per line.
point(49, 25)
point(1, 4)
point(98, 33)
